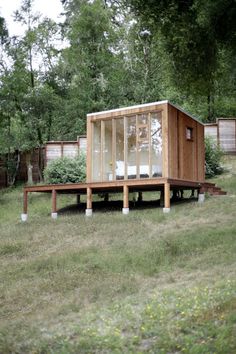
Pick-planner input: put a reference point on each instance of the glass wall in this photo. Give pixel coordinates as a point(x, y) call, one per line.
point(107, 152)
point(127, 148)
point(143, 146)
point(156, 144)
point(96, 150)
point(131, 147)
point(119, 144)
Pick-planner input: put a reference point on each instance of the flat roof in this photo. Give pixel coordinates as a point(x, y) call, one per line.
point(143, 106)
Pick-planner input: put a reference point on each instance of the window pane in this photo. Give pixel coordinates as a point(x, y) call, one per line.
point(96, 151)
point(143, 119)
point(156, 144)
point(107, 152)
point(143, 152)
point(131, 142)
point(189, 133)
point(120, 165)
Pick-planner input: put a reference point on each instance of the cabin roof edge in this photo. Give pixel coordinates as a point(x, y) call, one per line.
point(188, 114)
point(128, 107)
point(96, 114)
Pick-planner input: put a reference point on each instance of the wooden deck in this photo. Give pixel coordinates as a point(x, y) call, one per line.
point(165, 185)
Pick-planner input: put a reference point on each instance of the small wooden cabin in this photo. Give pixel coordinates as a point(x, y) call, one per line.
point(223, 132)
point(149, 147)
point(147, 141)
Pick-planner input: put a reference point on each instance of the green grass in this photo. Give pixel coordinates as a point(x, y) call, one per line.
point(143, 283)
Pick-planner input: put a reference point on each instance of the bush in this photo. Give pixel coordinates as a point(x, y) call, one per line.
point(66, 170)
point(213, 155)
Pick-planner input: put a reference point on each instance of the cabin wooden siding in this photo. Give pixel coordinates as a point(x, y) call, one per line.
point(173, 134)
point(182, 158)
point(186, 156)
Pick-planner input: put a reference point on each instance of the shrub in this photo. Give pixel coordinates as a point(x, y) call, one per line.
point(66, 170)
point(213, 155)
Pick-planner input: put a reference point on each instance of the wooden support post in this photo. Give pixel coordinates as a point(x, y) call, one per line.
point(78, 198)
point(201, 195)
point(89, 209)
point(140, 196)
point(25, 207)
point(162, 198)
point(166, 208)
point(125, 209)
point(54, 204)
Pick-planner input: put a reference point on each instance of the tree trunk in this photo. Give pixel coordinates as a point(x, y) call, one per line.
point(211, 108)
point(29, 168)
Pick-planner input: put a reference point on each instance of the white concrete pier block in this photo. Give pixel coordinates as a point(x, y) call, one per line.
point(166, 210)
point(24, 217)
point(201, 197)
point(125, 211)
point(54, 216)
point(89, 212)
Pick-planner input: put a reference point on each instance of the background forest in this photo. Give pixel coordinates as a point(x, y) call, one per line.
point(107, 54)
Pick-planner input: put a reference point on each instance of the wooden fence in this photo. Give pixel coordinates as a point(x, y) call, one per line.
point(57, 149)
point(224, 133)
point(39, 158)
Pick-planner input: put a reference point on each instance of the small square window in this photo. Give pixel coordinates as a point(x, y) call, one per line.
point(189, 133)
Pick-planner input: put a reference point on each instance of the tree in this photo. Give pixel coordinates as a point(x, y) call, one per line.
point(92, 64)
point(28, 84)
point(194, 32)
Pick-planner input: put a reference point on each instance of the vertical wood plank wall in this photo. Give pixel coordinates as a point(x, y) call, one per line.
point(89, 151)
point(165, 142)
point(201, 153)
point(186, 157)
point(173, 142)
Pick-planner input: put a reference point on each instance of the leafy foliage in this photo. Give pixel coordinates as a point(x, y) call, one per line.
point(113, 55)
point(193, 34)
point(66, 170)
point(213, 155)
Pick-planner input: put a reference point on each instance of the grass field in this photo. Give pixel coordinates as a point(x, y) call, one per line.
point(146, 282)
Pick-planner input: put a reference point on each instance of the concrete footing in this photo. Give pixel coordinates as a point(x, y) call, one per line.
point(89, 212)
point(125, 211)
point(54, 216)
point(24, 217)
point(201, 197)
point(166, 210)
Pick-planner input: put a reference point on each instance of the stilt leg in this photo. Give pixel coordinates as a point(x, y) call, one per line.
point(201, 196)
point(166, 208)
point(54, 204)
point(89, 210)
point(24, 216)
point(78, 198)
point(125, 209)
point(106, 197)
point(161, 198)
point(140, 196)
